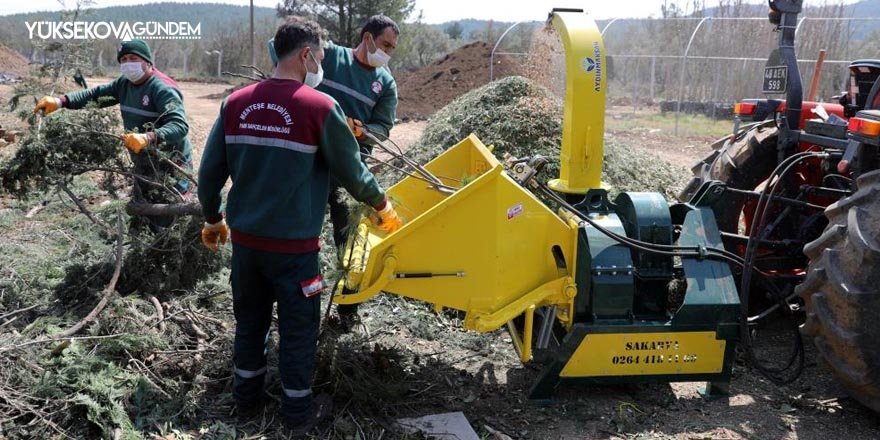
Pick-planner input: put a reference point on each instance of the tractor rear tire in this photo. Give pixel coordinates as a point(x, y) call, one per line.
point(741, 163)
point(842, 292)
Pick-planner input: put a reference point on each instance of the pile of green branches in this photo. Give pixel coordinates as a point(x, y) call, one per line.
point(146, 363)
point(514, 114)
point(66, 144)
point(522, 118)
point(132, 326)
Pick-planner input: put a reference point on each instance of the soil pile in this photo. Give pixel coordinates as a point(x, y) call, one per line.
point(424, 91)
point(12, 64)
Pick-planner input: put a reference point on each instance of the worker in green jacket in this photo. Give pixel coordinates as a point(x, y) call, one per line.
point(359, 80)
point(152, 114)
point(281, 142)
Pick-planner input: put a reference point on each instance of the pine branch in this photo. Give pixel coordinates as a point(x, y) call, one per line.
point(108, 290)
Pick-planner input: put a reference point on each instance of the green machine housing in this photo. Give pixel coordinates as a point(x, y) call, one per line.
point(641, 316)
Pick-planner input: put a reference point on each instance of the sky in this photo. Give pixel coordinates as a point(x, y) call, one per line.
point(435, 11)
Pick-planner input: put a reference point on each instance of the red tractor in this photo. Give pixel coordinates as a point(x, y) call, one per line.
point(796, 193)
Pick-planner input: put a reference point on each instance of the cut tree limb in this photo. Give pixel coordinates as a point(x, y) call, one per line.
point(36, 209)
point(159, 209)
point(160, 313)
point(180, 170)
point(108, 290)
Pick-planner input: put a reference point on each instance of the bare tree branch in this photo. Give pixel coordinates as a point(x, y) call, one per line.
point(108, 290)
point(79, 204)
point(159, 209)
point(180, 170)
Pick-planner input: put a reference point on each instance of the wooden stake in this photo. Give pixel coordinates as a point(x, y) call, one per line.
point(817, 75)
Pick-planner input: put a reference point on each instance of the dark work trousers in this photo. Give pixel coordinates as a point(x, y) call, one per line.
point(340, 217)
point(260, 279)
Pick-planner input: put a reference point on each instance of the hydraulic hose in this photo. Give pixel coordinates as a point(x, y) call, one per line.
point(759, 219)
point(653, 248)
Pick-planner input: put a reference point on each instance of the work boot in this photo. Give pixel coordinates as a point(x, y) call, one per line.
point(322, 406)
point(348, 317)
point(245, 413)
point(246, 410)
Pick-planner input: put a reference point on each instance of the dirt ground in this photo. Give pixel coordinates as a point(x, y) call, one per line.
point(481, 376)
point(645, 128)
point(12, 64)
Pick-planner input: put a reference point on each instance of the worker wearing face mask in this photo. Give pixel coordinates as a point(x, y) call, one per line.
point(360, 81)
point(281, 142)
point(152, 114)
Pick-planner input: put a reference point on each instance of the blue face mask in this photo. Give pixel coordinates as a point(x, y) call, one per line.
point(272, 54)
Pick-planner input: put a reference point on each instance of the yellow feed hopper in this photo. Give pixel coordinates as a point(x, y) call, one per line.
point(490, 249)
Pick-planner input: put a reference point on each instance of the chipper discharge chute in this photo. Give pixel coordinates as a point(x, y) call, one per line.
point(599, 291)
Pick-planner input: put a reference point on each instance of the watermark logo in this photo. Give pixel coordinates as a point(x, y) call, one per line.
point(121, 30)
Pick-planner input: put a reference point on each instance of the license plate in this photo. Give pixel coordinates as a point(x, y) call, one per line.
point(775, 79)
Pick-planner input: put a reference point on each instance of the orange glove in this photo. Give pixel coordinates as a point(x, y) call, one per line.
point(215, 234)
point(389, 220)
point(357, 128)
point(47, 104)
point(136, 142)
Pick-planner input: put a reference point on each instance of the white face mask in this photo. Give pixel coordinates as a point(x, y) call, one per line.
point(313, 79)
point(133, 71)
point(378, 58)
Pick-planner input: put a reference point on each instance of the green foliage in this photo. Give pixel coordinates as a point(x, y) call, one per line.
point(420, 44)
point(67, 143)
point(522, 119)
point(101, 387)
point(513, 114)
point(455, 30)
point(173, 260)
point(97, 386)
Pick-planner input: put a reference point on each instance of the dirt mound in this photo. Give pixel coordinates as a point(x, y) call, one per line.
point(12, 63)
point(424, 91)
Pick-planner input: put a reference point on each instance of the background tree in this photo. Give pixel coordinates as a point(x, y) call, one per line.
point(420, 44)
point(454, 31)
point(343, 19)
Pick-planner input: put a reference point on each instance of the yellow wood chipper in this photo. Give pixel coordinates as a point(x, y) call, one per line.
point(597, 290)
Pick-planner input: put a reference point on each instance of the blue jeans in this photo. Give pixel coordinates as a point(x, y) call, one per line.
point(260, 279)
